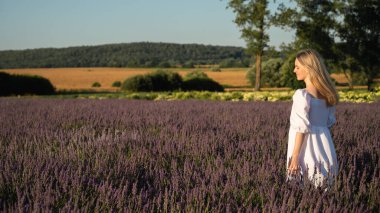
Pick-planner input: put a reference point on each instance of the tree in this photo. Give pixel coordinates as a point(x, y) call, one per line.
point(345, 32)
point(360, 33)
point(142, 54)
point(288, 78)
point(253, 18)
point(346, 63)
point(314, 22)
point(270, 73)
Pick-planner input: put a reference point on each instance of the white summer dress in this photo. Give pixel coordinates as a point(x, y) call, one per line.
point(317, 156)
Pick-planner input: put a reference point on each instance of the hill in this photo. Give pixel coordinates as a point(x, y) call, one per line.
point(142, 54)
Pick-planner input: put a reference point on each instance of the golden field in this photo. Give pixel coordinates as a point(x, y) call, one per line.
point(83, 78)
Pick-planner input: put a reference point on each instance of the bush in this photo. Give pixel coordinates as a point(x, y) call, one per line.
point(195, 74)
point(160, 80)
point(359, 78)
point(188, 64)
point(288, 78)
point(202, 84)
point(96, 84)
point(199, 81)
point(138, 83)
point(270, 73)
point(164, 64)
point(24, 84)
point(116, 84)
point(216, 69)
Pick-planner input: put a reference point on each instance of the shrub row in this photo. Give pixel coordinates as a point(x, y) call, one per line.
point(163, 80)
point(271, 96)
point(24, 84)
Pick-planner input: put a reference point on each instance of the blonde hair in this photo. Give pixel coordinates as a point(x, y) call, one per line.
point(318, 75)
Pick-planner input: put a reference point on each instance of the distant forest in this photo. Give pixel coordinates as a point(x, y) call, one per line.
point(142, 54)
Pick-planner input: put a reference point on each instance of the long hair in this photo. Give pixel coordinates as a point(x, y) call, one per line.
point(318, 75)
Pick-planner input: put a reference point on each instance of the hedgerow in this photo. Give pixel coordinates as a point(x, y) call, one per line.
point(24, 85)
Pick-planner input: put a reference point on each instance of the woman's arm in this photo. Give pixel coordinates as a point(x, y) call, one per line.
point(294, 167)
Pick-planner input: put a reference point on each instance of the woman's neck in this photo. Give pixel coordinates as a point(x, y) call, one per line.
point(311, 88)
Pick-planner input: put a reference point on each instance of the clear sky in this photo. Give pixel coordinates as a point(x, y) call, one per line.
point(27, 24)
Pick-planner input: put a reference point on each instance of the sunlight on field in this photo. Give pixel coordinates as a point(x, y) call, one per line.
point(83, 78)
point(340, 78)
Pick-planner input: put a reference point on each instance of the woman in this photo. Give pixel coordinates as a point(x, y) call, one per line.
point(311, 150)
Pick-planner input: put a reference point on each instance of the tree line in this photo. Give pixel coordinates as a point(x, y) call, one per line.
point(140, 54)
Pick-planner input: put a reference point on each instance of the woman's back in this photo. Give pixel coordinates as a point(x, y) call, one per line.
point(319, 112)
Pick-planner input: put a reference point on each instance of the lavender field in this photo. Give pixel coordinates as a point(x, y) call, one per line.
point(165, 156)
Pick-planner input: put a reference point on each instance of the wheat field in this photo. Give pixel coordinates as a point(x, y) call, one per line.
point(83, 78)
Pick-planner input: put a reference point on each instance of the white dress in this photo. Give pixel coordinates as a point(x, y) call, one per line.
point(317, 156)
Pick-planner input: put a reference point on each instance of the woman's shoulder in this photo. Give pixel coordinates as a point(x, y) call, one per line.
point(300, 93)
point(301, 98)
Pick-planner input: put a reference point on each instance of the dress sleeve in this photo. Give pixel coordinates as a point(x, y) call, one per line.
point(299, 117)
point(331, 119)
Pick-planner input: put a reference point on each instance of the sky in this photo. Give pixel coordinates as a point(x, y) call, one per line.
point(29, 24)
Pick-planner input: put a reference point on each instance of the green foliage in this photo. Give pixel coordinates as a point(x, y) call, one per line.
point(116, 84)
point(202, 84)
point(313, 22)
point(253, 17)
point(359, 96)
point(360, 35)
point(142, 54)
point(359, 78)
point(165, 64)
point(231, 62)
point(319, 24)
point(138, 83)
point(344, 96)
point(96, 84)
point(160, 80)
point(199, 81)
point(24, 84)
point(163, 80)
point(216, 69)
point(188, 64)
point(288, 78)
point(195, 74)
point(270, 73)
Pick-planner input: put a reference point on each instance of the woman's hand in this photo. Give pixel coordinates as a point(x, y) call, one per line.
point(294, 167)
